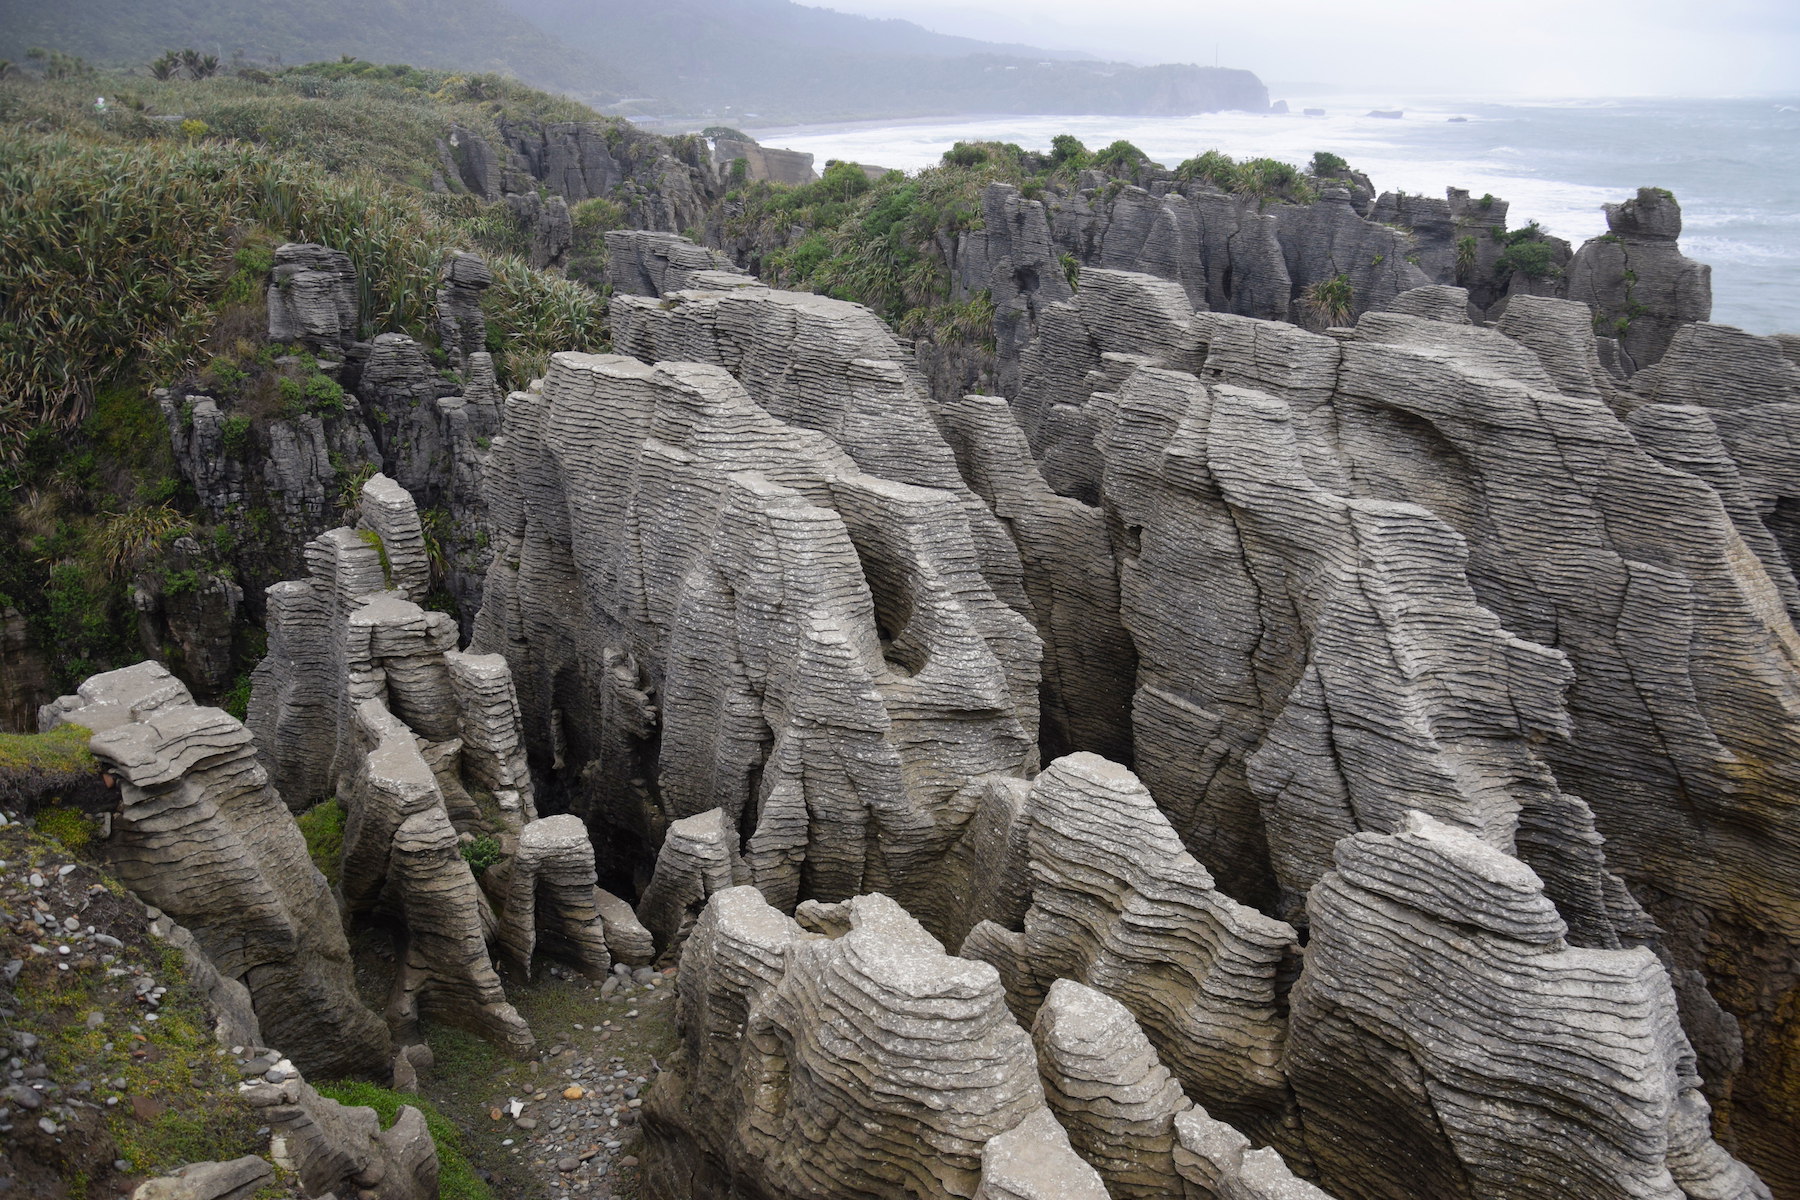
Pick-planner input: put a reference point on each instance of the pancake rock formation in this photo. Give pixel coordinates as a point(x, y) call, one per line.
point(201, 834)
point(1419, 589)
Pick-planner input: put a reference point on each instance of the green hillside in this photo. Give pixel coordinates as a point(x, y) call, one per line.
point(461, 35)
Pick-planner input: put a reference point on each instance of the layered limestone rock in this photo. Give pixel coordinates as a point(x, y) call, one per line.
point(769, 628)
point(1108, 1089)
point(832, 367)
point(462, 329)
point(1118, 904)
point(640, 263)
point(699, 856)
point(364, 696)
point(202, 835)
point(313, 297)
point(1444, 1022)
point(338, 1149)
point(1683, 691)
point(1127, 1116)
point(401, 856)
point(790, 167)
point(1638, 281)
point(868, 1062)
point(553, 867)
point(1747, 390)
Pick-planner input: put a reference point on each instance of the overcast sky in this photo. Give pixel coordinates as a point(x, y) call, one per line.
point(1526, 47)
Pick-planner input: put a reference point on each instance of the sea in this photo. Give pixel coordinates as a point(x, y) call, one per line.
point(1734, 164)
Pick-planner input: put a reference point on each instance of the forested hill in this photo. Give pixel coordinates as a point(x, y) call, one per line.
point(786, 62)
point(735, 60)
point(460, 35)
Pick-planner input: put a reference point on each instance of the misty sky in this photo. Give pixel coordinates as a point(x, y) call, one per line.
point(1530, 47)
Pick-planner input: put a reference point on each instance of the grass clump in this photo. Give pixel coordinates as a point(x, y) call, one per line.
point(1329, 301)
point(456, 1177)
point(323, 827)
point(70, 828)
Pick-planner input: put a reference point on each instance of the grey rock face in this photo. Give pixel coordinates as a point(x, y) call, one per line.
point(1118, 904)
point(400, 850)
point(1106, 1086)
point(1638, 281)
point(1127, 1116)
point(770, 629)
point(312, 297)
point(546, 221)
point(462, 329)
point(339, 1149)
point(554, 861)
point(1514, 1008)
point(699, 856)
point(238, 1179)
point(1407, 568)
point(202, 835)
point(641, 263)
point(932, 1073)
point(791, 167)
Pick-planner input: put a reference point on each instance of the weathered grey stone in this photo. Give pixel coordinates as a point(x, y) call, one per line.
point(551, 896)
point(202, 835)
point(869, 1062)
point(238, 1179)
point(342, 1149)
point(462, 329)
point(821, 643)
point(639, 263)
point(1637, 280)
point(312, 297)
point(1430, 929)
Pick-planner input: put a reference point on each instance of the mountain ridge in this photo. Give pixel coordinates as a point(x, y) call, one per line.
point(730, 60)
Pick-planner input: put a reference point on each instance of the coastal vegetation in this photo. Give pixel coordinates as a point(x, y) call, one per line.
point(135, 255)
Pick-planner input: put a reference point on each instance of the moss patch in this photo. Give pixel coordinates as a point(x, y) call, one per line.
point(52, 770)
point(323, 825)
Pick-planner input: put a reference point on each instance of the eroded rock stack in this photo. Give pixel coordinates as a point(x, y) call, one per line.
point(312, 297)
point(1641, 287)
point(364, 697)
point(1318, 567)
point(824, 643)
point(1424, 700)
point(201, 834)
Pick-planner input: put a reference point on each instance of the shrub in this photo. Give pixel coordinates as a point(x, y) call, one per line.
point(234, 434)
point(1066, 150)
point(1528, 251)
point(1327, 165)
point(1465, 258)
point(481, 853)
point(1120, 154)
point(123, 539)
point(965, 154)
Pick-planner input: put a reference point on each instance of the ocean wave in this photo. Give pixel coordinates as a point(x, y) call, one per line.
point(1707, 249)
